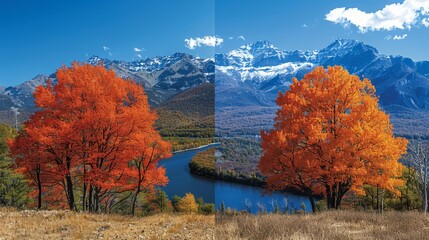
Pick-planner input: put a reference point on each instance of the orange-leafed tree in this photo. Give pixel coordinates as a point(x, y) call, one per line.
point(93, 125)
point(144, 174)
point(31, 159)
point(330, 136)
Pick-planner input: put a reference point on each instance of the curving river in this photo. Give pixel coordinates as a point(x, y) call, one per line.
point(234, 195)
point(181, 181)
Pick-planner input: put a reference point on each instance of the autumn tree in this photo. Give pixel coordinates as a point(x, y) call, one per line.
point(145, 174)
point(188, 204)
point(330, 136)
point(96, 134)
point(31, 159)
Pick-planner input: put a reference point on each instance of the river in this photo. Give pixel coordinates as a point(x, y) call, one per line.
point(234, 195)
point(181, 181)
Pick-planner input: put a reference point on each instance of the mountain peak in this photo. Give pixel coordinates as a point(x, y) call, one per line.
point(262, 44)
point(250, 54)
point(94, 59)
point(180, 55)
point(259, 45)
point(343, 43)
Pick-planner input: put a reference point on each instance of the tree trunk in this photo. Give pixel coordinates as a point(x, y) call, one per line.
point(39, 194)
point(313, 204)
point(69, 185)
point(137, 192)
point(335, 194)
point(338, 202)
point(84, 189)
point(378, 202)
point(70, 194)
point(90, 198)
point(332, 197)
point(84, 197)
point(133, 206)
point(97, 207)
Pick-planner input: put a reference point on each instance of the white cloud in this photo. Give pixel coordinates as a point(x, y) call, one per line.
point(304, 25)
point(230, 38)
point(210, 41)
point(399, 37)
point(139, 55)
point(425, 22)
point(107, 49)
point(139, 49)
point(393, 16)
point(396, 37)
point(241, 37)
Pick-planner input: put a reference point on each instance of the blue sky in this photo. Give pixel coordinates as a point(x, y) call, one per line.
point(293, 25)
point(40, 36)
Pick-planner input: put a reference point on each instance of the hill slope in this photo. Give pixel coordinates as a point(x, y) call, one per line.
point(187, 118)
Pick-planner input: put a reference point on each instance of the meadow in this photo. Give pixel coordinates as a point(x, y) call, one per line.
point(332, 225)
point(329, 225)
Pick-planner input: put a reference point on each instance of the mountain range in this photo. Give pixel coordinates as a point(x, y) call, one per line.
point(247, 81)
point(251, 76)
point(163, 78)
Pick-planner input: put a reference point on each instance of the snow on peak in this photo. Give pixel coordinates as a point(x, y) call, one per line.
point(94, 60)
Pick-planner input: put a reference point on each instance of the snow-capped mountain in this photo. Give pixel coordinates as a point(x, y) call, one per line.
point(175, 72)
point(254, 73)
point(268, 69)
point(261, 61)
point(20, 96)
point(161, 77)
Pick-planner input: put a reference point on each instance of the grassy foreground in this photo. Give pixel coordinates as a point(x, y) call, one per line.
point(31, 224)
point(333, 225)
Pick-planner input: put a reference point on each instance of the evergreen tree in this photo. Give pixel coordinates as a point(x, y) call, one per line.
point(175, 201)
point(14, 190)
point(222, 207)
point(161, 200)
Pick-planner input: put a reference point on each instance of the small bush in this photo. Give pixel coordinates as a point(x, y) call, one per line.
point(207, 208)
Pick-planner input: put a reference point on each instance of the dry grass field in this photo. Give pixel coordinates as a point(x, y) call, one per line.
point(68, 225)
point(341, 225)
point(336, 225)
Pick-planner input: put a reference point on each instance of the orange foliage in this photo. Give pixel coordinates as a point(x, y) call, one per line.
point(94, 130)
point(331, 136)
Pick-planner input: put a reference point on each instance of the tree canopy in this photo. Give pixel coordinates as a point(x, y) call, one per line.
point(330, 136)
point(94, 133)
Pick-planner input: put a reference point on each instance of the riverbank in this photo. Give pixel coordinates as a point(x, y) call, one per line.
point(187, 143)
point(30, 224)
point(332, 225)
point(196, 148)
point(203, 164)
